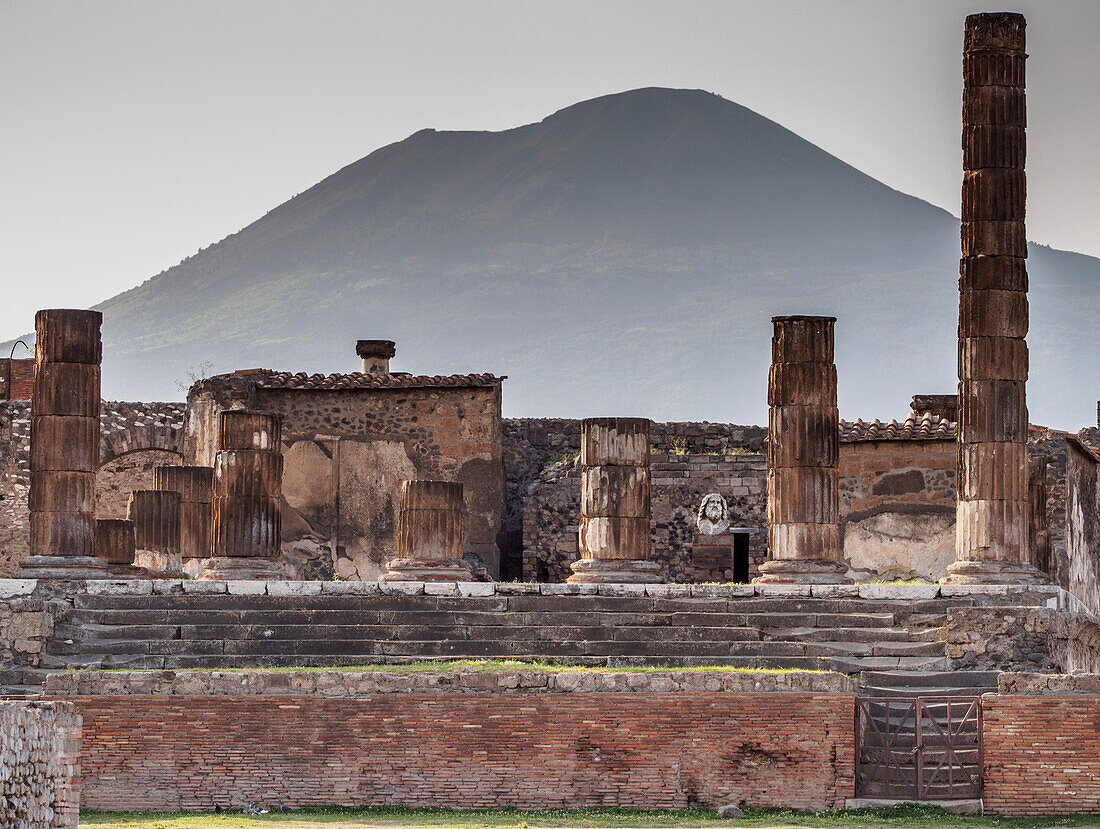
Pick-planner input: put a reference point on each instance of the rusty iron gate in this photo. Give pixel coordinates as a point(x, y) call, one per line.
point(922, 748)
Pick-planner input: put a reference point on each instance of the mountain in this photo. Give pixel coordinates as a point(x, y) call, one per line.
point(622, 256)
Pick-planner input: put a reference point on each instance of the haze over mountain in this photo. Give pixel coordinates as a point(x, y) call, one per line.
point(622, 256)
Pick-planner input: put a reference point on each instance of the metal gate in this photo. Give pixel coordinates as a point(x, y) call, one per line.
point(923, 748)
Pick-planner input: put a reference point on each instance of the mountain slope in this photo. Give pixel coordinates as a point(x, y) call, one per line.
point(623, 255)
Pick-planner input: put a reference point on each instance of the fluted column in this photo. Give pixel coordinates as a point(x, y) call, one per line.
point(615, 540)
point(195, 484)
point(64, 446)
point(156, 519)
point(430, 534)
point(247, 494)
point(803, 451)
point(991, 528)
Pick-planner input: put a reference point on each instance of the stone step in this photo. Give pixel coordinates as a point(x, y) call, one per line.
point(925, 682)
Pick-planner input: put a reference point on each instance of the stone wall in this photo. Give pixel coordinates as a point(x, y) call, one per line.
point(470, 740)
point(39, 765)
point(133, 438)
point(1083, 524)
point(532, 445)
point(551, 511)
point(1022, 638)
point(897, 506)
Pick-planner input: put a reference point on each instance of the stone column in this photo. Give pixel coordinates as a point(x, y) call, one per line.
point(615, 541)
point(156, 519)
point(64, 446)
point(247, 494)
point(991, 527)
point(195, 484)
point(114, 543)
point(376, 355)
point(430, 534)
point(803, 450)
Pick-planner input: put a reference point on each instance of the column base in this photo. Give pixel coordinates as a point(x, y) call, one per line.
point(128, 571)
point(614, 571)
point(160, 565)
point(226, 568)
point(418, 569)
point(975, 571)
point(793, 571)
point(62, 567)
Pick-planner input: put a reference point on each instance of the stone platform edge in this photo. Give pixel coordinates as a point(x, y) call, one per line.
point(352, 684)
point(1018, 683)
point(1050, 595)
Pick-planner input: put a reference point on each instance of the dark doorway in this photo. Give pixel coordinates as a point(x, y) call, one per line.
point(741, 558)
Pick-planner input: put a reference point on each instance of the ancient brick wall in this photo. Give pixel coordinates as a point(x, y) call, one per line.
point(1041, 754)
point(16, 379)
point(551, 511)
point(133, 438)
point(39, 765)
point(481, 740)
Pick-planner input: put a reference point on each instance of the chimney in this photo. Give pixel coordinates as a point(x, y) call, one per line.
point(376, 355)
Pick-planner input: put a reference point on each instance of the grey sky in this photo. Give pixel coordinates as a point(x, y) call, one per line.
point(134, 133)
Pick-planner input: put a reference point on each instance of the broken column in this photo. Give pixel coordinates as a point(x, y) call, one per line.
point(246, 503)
point(114, 543)
point(615, 541)
point(195, 485)
point(64, 446)
point(803, 453)
point(430, 534)
point(156, 519)
point(991, 528)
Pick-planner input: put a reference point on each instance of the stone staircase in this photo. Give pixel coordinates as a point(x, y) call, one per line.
point(174, 626)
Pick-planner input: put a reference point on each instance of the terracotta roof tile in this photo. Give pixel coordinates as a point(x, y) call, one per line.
point(358, 380)
point(923, 427)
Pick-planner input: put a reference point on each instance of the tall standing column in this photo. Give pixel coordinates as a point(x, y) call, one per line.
point(430, 534)
point(991, 528)
point(803, 453)
point(64, 446)
point(615, 541)
point(247, 510)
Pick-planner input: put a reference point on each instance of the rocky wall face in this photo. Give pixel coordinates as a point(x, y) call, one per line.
point(1083, 526)
point(551, 512)
point(346, 454)
point(39, 765)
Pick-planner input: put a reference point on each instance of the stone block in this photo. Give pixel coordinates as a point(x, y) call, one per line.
point(246, 587)
point(351, 588)
point(782, 590)
point(834, 591)
point(476, 588)
point(293, 588)
point(566, 589)
point(898, 591)
point(440, 588)
point(668, 591)
point(204, 586)
point(621, 589)
point(949, 590)
point(402, 588)
point(111, 587)
point(517, 588)
point(166, 587)
point(10, 588)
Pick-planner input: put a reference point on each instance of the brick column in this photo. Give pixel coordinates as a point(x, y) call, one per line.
point(64, 446)
point(991, 528)
point(430, 534)
point(247, 495)
point(803, 450)
point(615, 541)
point(195, 484)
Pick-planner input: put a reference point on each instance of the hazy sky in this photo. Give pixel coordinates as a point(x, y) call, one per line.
point(134, 133)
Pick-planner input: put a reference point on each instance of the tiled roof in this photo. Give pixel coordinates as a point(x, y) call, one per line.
point(924, 427)
point(265, 379)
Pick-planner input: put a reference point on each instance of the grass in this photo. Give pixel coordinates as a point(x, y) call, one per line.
point(919, 817)
point(499, 665)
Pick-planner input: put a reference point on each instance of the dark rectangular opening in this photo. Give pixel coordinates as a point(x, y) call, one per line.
point(741, 558)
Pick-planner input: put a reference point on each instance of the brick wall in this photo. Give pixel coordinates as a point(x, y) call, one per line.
point(522, 747)
point(551, 511)
point(16, 379)
point(1041, 754)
